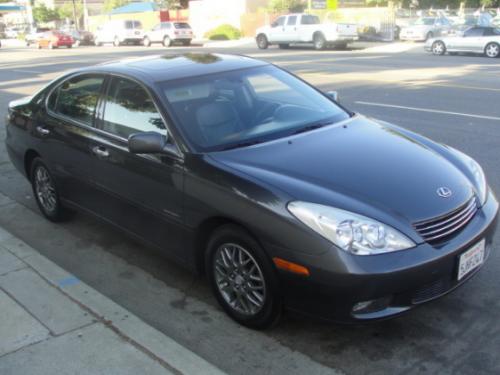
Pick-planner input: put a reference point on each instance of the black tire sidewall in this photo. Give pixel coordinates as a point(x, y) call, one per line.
point(59, 214)
point(271, 311)
point(265, 42)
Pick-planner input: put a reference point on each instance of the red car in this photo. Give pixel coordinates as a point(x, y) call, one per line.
point(55, 39)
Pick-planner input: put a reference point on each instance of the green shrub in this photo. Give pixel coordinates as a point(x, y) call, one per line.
point(224, 32)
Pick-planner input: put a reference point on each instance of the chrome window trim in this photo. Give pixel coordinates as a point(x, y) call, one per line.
point(176, 149)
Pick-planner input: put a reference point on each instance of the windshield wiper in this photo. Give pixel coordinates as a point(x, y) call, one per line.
point(313, 126)
point(242, 144)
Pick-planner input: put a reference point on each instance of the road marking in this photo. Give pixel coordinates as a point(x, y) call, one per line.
point(429, 110)
point(27, 71)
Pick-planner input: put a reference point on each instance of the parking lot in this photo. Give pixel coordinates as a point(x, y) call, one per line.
point(451, 99)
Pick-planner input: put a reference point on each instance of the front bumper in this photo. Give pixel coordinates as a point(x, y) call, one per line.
point(401, 280)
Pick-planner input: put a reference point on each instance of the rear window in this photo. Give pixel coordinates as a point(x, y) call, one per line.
point(181, 25)
point(133, 25)
point(309, 20)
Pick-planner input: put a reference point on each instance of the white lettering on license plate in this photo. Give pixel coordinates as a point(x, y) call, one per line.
point(471, 259)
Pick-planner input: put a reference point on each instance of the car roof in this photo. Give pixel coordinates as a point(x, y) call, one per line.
point(170, 67)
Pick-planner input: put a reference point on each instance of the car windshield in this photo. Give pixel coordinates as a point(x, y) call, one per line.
point(239, 108)
point(181, 25)
point(424, 21)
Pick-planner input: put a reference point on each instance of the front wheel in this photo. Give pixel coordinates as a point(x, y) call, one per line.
point(116, 42)
point(438, 48)
point(167, 42)
point(492, 50)
point(262, 41)
point(242, 278)
point(45, 191)
point(146, 42)
point(319, 41)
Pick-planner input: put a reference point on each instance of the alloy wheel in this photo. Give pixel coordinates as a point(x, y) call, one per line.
point(239, 279)
point(438, 48)
point(492, 50)
point(45, 189)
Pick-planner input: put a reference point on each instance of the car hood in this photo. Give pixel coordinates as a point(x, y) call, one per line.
point(361, 165)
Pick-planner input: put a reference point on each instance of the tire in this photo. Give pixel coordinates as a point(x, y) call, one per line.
point(46, 196)
point(429, 35)
point(262, 41)
point(116, 42)
point(319, 41)
point(233, 286)
point(51, 46)
point(492, 50)
point(438, 48)
point(284, 46)
point(146, 42)
point(167, 42)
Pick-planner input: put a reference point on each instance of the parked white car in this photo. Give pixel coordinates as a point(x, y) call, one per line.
point(36, 33)
point(120, 32)
point(425, 28)
point(476, 39)
point(305, 28)
point(169, 33)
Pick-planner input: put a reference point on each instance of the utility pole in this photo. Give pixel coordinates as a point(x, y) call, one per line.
point(85, 16)
point(75, 20)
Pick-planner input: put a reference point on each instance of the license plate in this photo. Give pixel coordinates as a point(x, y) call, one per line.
point(471, 259)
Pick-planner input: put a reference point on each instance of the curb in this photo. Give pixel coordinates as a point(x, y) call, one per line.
point(174, 357)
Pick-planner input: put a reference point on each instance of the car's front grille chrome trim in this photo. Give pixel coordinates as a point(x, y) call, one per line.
point(437, 229)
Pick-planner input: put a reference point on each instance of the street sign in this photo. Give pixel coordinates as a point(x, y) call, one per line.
point(318, 4)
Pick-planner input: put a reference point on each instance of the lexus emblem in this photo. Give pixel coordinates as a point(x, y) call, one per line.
point(444, 192)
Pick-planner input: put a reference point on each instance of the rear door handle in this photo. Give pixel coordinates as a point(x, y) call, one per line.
point(42, 131)
point(100, 152)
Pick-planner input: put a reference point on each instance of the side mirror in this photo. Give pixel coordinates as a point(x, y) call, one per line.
point(333, 95)
point(147, 143)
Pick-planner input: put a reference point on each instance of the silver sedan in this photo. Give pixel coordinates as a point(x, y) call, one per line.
point(475, 39)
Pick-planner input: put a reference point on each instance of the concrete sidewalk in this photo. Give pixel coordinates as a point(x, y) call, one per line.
point(52, 323)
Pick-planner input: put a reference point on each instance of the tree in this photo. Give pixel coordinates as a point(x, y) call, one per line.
point(278, 6)
point(42, 14)
point(66, 10)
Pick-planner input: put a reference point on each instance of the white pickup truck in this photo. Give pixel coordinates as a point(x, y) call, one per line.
point(305, 28)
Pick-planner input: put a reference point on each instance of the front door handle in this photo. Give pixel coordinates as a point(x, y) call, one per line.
point(42, 131)
point(100, 152)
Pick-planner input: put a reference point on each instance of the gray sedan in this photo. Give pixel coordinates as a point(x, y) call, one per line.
point(475, 39)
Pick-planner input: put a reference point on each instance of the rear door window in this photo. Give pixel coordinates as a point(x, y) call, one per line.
point(77, 98)
point(291, 20)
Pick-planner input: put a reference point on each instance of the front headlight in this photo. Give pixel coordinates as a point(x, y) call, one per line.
point(351, 232)
point(477, 172)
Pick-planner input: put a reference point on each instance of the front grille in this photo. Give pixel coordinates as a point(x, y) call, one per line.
point(440, 228)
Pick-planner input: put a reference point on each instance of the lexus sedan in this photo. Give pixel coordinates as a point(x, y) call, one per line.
point(235, 168)
point(476, 39)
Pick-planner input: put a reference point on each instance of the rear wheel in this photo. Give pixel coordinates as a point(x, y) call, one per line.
point(146, 42)
point(438, 48)
point(116, 42)
point(242, 278)
point(262, 41)
point(45, 191)
point(319, 41)
point(167, 42)
point(492, 50)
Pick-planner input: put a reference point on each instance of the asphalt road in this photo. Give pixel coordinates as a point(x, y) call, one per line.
point(452, 99)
